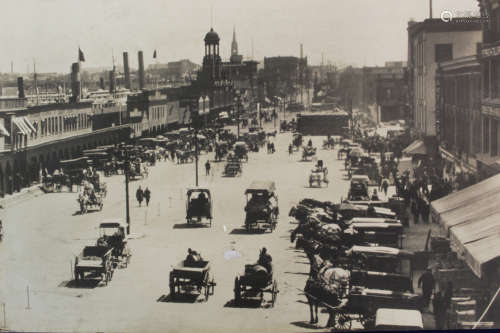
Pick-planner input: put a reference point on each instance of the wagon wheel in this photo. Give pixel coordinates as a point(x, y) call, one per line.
point(77, 275)
point(367, 320)
point(274, 293)
point(207, 287)
point(343, 322)
point(237, 290)
point(212, 284)
point(172, 285)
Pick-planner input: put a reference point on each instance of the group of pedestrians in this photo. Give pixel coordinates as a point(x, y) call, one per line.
point(142, 195)
point(441, 300)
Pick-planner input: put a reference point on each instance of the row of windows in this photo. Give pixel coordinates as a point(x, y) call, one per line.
point(60, 124)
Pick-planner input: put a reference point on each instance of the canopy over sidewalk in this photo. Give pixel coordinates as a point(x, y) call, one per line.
point(471, 218)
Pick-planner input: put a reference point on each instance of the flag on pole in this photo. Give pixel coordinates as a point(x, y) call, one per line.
point(81, 56)
point(154, 54)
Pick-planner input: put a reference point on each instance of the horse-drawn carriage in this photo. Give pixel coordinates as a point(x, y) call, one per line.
point(308, 152)
point(89, 201)
point(329, 143)
point(137, 170)
point(241, 151)
point(362, 304)
point(232, 167)
point(94, 261)
point(254, 283)
point(184, 156)
point(318, 175)
point(262, 206)
point(191, 275)
point(112, 234)
point(358, 190)
point(199, 205)
point(297, 141)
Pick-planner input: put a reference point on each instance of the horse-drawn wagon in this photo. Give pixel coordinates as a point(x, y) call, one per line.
point(255, 282)
point(199, 205)
point(191, 275)
point(112, 234)
point(262, 206)
point(92, 262)
point(308, 152)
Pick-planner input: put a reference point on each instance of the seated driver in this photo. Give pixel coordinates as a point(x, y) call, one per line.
point(192, 257)
point(265, 260)
point(202, 203)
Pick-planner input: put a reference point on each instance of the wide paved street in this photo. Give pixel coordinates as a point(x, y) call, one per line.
point(44, 235)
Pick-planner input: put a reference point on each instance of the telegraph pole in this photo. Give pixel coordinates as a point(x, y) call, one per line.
point(127, 204)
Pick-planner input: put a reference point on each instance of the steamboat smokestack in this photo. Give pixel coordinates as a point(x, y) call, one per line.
point(76, 88)
point(141, 70)
point(101, 83)
point(126, 71)
point(112, 81)
point(20, 87)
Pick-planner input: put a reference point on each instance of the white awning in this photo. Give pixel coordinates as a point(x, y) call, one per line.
point(30, 125)
point(416, 148)
point(3, 131)
point(21, 126)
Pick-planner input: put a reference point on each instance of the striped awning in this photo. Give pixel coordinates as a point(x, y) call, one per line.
point(3, 131)
point(29, 124)
point(22, 127)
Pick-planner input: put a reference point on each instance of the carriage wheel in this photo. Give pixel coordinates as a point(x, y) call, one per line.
point(207, 287)
point(342, 322)
point(77, 275)
point(274, 293)
point(366, 320)
point(172, 285)
point(237, 290)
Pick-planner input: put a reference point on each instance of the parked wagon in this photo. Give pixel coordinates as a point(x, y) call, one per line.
point(94, 262)
point(188, 276)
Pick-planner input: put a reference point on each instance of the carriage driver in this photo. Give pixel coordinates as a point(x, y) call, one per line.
point(265, 260)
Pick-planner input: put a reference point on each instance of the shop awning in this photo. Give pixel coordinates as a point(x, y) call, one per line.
point(29, 124)
point(468, 196)
point(21, 126)
point(3, 131)
point(417, 147)
point(481, 252)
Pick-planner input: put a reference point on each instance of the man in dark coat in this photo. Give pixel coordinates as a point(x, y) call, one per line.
point(139, 195)
point(147, 195)
point(427, 283)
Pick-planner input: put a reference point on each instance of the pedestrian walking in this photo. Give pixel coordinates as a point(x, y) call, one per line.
point(139, 195)
point(207, 168)
point(427, 283)
point(147, 195)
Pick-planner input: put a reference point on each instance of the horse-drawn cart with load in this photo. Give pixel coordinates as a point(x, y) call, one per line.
point(94, 261)
point(191, 274)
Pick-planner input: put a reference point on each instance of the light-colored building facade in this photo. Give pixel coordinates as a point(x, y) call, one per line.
point(429, 43)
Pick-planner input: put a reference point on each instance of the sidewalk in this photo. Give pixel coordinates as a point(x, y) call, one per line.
point(25, 194)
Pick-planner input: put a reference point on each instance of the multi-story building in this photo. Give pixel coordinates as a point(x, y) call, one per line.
point(283, 76)
point(429, 43)
point(385, 91)
point(489, 59)
point(458, 111)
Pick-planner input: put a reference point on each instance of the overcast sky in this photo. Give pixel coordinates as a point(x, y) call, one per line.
point(358, 32)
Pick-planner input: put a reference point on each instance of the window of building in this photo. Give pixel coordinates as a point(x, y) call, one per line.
point(486, 135)
point(443, 52)
point(494, 137)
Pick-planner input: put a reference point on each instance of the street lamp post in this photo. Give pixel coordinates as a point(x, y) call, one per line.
point(196, 153)
point(127, 204)
point(237, 102)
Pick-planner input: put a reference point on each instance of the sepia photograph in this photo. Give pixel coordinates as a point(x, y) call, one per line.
point(277, 166)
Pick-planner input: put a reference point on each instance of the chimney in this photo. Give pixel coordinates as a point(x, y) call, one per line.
point(75, 83)
point(141, 71)
point(112, 82)
point(101, 83)
point(20, 87)
point(430, 9)
point(126, 70)
point(301, 51)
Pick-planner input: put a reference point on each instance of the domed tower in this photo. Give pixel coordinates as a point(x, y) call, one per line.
point(212, 63)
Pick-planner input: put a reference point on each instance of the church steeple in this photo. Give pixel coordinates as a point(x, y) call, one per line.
point(235, 57)
point(234, 44)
